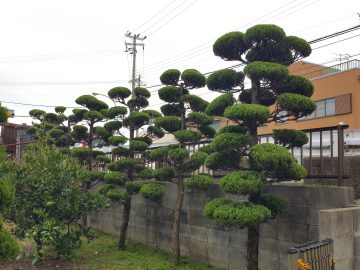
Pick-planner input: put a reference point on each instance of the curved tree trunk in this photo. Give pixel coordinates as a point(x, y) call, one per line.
point(253, 248)
point(176, 222)
point(124, 225)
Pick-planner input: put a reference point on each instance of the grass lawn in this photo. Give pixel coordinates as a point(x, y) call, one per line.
point(102, 254)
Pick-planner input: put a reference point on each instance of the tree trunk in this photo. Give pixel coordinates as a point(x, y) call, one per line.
point(253, 248)
point(124, 225)
point(176, 222)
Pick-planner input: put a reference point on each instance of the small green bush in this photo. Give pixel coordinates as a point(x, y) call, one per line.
point(9, 248)
point(200, 182)
point(242, 183)
point(170, 93)
point(168, 123)
point(116, 178)
point(133, 187)
point(187, 136)
point(152, 191)
point(240, 215)
point(274, 203)
point(193, 78)
point(117, 140)
point(170, 77)
point(118, 195)
point(119, 92)
point(164, 174)
point(146, 173)
point(219, 104)
point(178, 154)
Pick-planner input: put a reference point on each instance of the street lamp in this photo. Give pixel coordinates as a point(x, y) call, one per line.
point(98, 94)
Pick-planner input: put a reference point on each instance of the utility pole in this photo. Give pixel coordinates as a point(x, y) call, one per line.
point(131, 48)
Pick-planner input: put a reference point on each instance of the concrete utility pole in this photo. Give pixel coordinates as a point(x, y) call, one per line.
point(131, 48)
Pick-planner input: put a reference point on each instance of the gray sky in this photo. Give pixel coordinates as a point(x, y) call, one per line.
point(52, 51)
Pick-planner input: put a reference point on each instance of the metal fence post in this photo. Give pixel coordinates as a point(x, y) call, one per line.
point(340, 128)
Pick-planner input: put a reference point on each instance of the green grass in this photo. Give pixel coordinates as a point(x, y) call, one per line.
point(102, 253)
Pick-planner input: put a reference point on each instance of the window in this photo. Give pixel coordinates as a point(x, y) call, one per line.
point(215, 125)
point(324, 108)
point(330, 107)
point(320, 109)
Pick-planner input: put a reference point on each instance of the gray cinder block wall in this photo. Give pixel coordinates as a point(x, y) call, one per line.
point(204, 240)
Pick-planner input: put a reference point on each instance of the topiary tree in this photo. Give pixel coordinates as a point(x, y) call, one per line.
point(185, 120)
point(8, 245)
point(274, 96)
point(4, 115)
point(127, 171)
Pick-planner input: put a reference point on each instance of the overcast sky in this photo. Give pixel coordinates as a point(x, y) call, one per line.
point(53, 51)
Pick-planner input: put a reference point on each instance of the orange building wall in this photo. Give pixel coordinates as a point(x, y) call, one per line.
point(326, 87)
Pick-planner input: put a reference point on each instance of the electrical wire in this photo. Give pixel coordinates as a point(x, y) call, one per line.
point(37, 105)
point(152, 17)
point(336, 42)
point(171, 19)
point(166, 15)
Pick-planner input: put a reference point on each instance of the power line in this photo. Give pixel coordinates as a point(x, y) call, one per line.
point(152, 17)
point(166, 15)
point(59, 83)
point(37, 105)
point(336, 42)
point(174, 17)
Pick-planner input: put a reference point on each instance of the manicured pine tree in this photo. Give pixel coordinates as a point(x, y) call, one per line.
point(184, 118)
point(274, 96)
point(127, 172)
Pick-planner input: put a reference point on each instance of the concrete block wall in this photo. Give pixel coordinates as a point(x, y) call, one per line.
point(204, 240)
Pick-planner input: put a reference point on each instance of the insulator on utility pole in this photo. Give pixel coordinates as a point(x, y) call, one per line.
point(131, 48)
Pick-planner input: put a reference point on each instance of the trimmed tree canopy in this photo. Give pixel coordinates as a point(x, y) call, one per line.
point(170, 77)
point(193, 78)
point(226, 80)
point(219, 104)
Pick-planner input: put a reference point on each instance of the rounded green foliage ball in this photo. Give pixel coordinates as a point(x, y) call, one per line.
point(168, 123)
point(225, 80)
point(121, 151)
point(35, 113)
point(275, 204)
point(91, 102)
point(170, 93)
point(230, 46)
point(103, 189)
point(81, 153)
point(178, 154)
point(141, 92)
point(200, 182)
point(56, 133)
point(60, 109)
point(232, 129)
point(219, 104)
point(268, 71)
point(117, 111)
point(213, 204)
point(299, 47)
point(197, 104)
point(152, 113)
point(231, 142)
point(299, 105)
point(115, 178)
point(133, 187)
point(117, 140)
point(171, 109)
point(207, 131)
point(146, 173)
point(112, 126)
point(158, 154)
point(200, 119)
point(164, 174)
point(270, 156)
point(118, 195)
point(248, 114)
point(122, 164)
point(242, 183)
point(193, 78)
point(220, 160)
point(119, 93)
point(137, 119)
point(240, 215)
point(138, 146)
point(290, 138)
point(187, 136)
point(152, 191)
point(156, 131)
point(93, 116)
point(264, 33)
point(170, 77)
